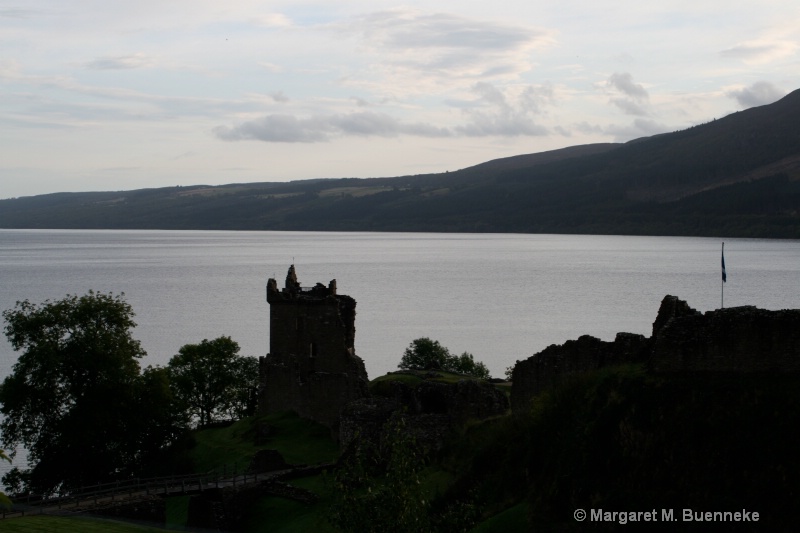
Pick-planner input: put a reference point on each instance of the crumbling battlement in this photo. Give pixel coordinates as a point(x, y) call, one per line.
point(737, 339)
point(556, 362)
point(311, 367)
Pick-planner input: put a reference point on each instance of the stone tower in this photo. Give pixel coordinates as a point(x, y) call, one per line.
point(311, 367)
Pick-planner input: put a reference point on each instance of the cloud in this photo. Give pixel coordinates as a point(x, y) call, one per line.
point(623, 82)
point(495, 113)
point(420, 52)
point(365, 124)
point(279, 96)
point(271, 67)
point(760, 51)
point(318, 128)
point(58, 106)
point(634, 96)
point(120, 62)
point(760, 93)
point(535, 98)
point(272, 20)
point(588, 129)
point(629, 107)
point(16, 13)
point(413, 30)
point(275, 128)
point(506, 125)
point(638, 128)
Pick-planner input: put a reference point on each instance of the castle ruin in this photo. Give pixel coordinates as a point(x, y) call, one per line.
point(732, 340)
point(312, 368)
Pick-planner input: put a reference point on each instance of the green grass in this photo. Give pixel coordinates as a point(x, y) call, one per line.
point(513, 520)
point(177, 509)
point(227, 446)
point(279, 515)
point(408, 379)
point(299, 441)
point(60, 524)
point(380, 385)
point(628, 436)
point(448, 377)
point(623, 436)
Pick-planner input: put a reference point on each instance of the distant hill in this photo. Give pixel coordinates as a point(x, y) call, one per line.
point(736, 176)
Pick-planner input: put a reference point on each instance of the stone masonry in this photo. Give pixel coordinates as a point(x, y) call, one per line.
point(430, 410)
point(557, 362)
point(737, 339)
point(311, 368)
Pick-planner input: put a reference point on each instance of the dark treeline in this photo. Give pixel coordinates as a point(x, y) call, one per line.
point(85, 411)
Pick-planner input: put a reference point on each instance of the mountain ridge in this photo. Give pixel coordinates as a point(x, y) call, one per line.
point(734, 176)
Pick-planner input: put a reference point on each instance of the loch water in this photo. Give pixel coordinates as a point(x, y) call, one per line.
point(501, 297)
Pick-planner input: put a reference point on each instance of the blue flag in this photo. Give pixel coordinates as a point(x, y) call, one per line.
point(724, 275)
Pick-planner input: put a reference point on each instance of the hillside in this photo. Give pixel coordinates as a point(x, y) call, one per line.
point(735, 176)
point(620, 439)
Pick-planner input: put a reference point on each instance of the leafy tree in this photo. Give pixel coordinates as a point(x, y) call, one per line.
point(73, 398)
point(211, 380)
point(156, 418)
point(424, 354)
point(244, 391)
point(377, 488)
point(4, 501)
point(428, 354)
point(466, 364)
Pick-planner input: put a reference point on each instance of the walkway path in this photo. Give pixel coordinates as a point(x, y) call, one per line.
point(112, 494)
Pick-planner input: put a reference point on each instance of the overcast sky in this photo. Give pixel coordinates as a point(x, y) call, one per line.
point(112, 95)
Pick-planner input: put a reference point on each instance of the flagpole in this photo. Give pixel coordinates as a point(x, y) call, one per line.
point(722, 282)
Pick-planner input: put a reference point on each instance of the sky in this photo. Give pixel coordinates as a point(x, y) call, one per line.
point(110, 95)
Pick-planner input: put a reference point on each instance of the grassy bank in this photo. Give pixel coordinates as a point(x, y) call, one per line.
point(225, 448)
point(620, 439)
point(299, 441)
point(626, 440)
point(61, 524)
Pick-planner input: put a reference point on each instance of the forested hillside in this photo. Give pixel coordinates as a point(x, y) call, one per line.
point(736, 176)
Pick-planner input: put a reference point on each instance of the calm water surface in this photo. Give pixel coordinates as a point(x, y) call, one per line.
point(500, 297)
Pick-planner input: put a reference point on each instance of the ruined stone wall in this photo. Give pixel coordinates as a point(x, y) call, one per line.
point(312, 367)
point(557, 362)
point(738, 339)
point(430, 410)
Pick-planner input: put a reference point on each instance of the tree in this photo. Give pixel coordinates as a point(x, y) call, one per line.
point(157, 419)
point(466, 364)
point(424, 354)
point(377, 488)
point(427, 354)
point(72, 399)
point(4, 500)
point(211, 380)
point(244, 391)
